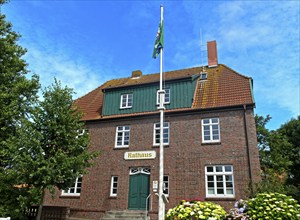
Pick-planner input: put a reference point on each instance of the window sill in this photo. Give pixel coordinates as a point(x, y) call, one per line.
point(125, 108)
point(157, 146)
point(69, 196)
point(220, 199)
point(120, 148)
point(211, 143)
point(112, 197)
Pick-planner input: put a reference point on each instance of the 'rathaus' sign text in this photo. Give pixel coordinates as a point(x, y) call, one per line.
point(139, 155)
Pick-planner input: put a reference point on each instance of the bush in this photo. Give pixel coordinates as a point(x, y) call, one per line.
point(273, 206)
point(196, 210)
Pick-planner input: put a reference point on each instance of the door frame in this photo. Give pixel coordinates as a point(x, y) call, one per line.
point(138, 171)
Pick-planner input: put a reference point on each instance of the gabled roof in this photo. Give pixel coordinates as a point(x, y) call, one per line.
point(223, 88)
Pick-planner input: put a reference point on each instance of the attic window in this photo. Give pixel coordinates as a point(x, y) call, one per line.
point(203, 76)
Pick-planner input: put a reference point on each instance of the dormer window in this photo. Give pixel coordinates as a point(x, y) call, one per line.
point(203, 76)
point(126, 100)
point(167, 97)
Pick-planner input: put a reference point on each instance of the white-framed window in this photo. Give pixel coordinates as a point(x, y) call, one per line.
point(166, 134)
point(166, 186)
point(167, 97)
point(203, 76)
point(114, 186)
point(210, 130)
point(74, 190)
point(122, 136)
point(219, 181)
point(126, 100)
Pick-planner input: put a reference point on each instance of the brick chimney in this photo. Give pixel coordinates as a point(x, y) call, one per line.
point(136, 74)
point(212, 54)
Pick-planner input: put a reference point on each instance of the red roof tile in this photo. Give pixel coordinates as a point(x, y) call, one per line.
point(223, 87)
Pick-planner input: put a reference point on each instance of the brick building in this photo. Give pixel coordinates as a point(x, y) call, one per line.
point(209, 136)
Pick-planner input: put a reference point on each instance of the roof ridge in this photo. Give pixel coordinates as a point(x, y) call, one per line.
point(247, 77)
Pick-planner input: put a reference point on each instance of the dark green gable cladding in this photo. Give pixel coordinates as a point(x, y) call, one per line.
point(144, 97)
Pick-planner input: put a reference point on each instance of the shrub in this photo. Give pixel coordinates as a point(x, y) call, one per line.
point(196, 210)
point(273, 206)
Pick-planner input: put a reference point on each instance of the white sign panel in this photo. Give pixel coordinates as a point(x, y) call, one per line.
point(139, 155)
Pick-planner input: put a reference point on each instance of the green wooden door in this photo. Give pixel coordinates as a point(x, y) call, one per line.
point(138, 191)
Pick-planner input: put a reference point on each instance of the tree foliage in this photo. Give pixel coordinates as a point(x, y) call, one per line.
point(279, 157)
point(42, 145)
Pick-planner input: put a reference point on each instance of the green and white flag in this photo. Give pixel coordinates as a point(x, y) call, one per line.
point(159, 41)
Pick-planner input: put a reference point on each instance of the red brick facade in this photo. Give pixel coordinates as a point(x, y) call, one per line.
point(185, 159)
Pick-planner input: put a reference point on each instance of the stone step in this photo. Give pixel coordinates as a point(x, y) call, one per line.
point(125, 215)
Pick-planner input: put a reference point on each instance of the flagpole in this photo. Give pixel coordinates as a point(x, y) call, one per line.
point(161, 204)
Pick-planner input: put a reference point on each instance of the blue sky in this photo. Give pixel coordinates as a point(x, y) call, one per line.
point(85, 43)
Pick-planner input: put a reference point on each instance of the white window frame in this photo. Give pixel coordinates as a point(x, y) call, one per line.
point(166, 187)
point(114, 186)
point(77, 187)
point(125, 100)
point(219, 171)
point(156, 129)
point(211, 124)
point(167, 96)
point(122, 130)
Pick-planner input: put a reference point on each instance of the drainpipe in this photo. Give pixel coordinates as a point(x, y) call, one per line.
point(248, 150)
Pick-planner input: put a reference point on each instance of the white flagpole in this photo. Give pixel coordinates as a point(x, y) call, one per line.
point(161, 204)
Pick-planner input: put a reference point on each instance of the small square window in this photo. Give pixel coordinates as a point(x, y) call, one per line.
point(203, 76)
point(167, 97)
point(126, 100)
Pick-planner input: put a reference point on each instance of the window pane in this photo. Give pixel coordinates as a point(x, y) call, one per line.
point(229, 184)
point(211, 191)
point(219, 178)
point(206, 138)
point(210, 178)
point(219, 169)
point(228, 178)
point(206, 128)
point(215, 137)
point(219, 184)
point(229, 191)
point(227, 168)
point(215, 127)
point(209, 169)
point(206, 121)
point(210, 184)
point(215, 132)
point(206, 133)
point(215, 120)
point(220, 191)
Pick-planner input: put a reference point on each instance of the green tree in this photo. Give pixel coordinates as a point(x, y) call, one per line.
point(291, 130)
point(278, 157)
point(42, 145)
point(17, 96)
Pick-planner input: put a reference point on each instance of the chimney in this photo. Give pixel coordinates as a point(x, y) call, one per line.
point(136, 74)
point(212, 54)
